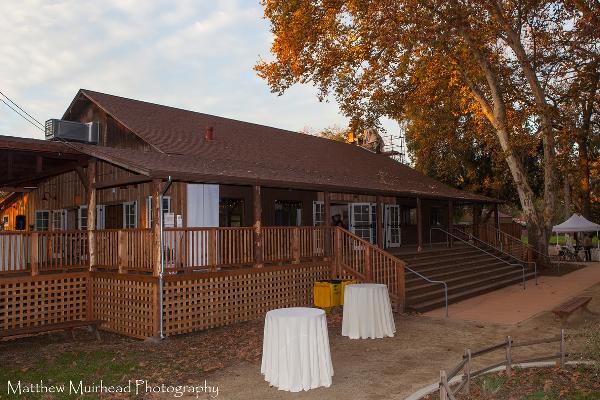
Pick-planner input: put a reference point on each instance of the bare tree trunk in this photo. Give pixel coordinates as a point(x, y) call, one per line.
point(495, 112)
point(513, 40)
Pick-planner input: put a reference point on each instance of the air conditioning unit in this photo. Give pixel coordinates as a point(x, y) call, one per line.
point(58, 129)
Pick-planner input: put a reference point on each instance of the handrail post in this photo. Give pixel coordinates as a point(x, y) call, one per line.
point(122, 251)
point(212, 247)
point(401, 286)
point(296, 245)
point(509, 355)
point(443, 385)
point(35, 253)
point(368, 263)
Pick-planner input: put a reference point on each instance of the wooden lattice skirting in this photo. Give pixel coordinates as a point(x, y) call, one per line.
point(128, 304)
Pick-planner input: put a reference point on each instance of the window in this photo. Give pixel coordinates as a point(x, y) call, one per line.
point(409, 216)
point(130, 215)
point(288, 213)
point(166, 208)
point(318, 213)
point(231, 212)
point(82, 218)
point(42, 220)
point(59, 220)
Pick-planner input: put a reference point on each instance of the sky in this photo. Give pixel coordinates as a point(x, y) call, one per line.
point(196, 55)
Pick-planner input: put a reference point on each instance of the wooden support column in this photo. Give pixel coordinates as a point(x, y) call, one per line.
point(327, 223)
point(156, 187)
point(92, 177)
point(450, 221)
point(296, 245)
point(496, 217)
point(476, 219)
point(257, 218)
point(419, 225)
point(35, 254)
point(379, 222)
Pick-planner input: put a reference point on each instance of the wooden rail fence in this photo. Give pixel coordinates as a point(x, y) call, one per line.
point(465, 366)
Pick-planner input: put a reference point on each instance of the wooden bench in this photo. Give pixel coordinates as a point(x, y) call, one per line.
point(567, 308)
point(61, 326)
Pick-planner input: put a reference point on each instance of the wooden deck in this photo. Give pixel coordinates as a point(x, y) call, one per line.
point(211, 275)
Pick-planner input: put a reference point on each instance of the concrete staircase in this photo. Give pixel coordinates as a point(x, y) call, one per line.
point(467, 271)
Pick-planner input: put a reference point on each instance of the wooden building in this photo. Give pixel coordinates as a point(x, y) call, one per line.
point(234, 196)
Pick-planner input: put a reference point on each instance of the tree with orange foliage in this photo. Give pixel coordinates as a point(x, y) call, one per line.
point(377, 57)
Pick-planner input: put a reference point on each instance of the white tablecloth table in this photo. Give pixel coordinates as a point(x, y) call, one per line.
point(367, 312)
point(296, 352)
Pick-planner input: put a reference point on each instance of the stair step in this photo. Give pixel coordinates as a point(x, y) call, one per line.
point(430, 266)
point(477, 277)
point(462, 287)
point(453, 298)
point(425, 257)
point(462, 271)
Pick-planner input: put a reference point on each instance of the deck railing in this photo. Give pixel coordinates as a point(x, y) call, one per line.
point(61, 250)
point(361, 259)
point(15, 252)
point(185, 249)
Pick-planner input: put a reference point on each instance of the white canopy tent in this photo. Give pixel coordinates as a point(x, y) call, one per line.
point(577, 223)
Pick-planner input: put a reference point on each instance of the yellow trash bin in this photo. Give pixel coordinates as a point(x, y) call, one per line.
point(327, 293)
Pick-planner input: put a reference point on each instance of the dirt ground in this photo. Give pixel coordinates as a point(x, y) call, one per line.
point(229, 357)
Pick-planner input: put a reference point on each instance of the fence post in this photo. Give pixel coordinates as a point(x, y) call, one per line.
point(562, 348)
point(443, 385)
point(296, 245)
point(467, 371)
point(122, 251)
point(212, 247)
point(368, 263)
point(508, 355)
point(35, 253)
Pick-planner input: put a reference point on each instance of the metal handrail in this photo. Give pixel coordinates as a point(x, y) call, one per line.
point(500, 250)
point(478, 248)
point(432, 281)
point(546, 256)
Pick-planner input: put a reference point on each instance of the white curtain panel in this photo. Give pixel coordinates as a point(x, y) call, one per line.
point(202, 212)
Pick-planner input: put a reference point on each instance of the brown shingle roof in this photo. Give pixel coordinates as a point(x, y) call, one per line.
point(243, 152)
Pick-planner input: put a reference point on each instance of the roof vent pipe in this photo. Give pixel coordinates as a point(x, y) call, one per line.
point(209, 134)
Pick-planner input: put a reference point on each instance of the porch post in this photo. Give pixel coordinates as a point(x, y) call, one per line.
point(476, 219)
point(419, 225)
point(257, 214)
point(156, 208)
point(450, 220)
point(496, 217)
point(91, 212)
point(327, 223)
point(379, 222)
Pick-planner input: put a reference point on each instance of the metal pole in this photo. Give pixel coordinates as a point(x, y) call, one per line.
point(162, 254)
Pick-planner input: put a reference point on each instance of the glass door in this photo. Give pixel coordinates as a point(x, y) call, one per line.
point(361, 220)
point(392, 226)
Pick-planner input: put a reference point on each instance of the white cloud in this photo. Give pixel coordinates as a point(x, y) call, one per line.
point(189, 54)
